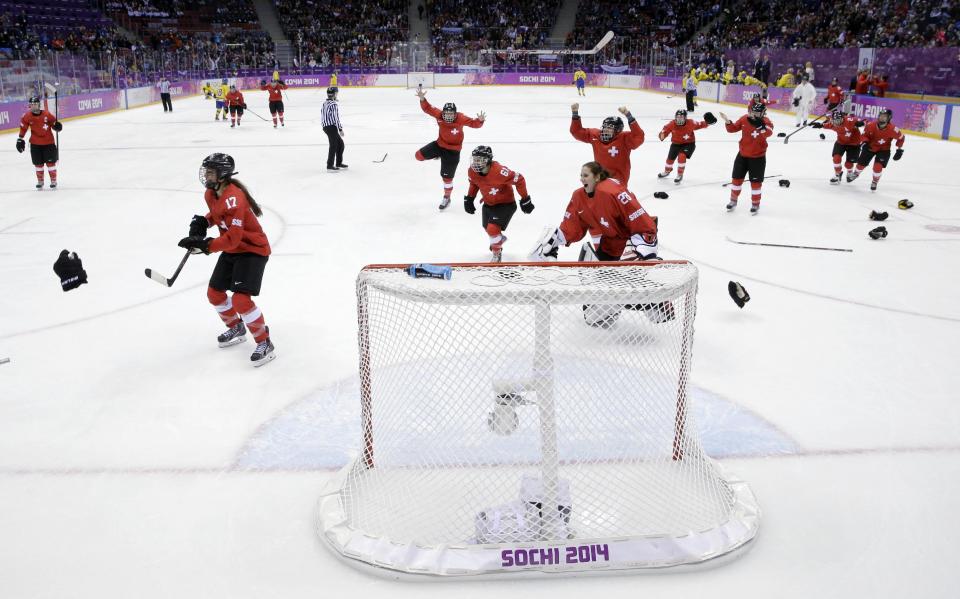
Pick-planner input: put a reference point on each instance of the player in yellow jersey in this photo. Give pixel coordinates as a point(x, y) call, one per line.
point(333, 81)
point(580, 80)
point(207, 90)
point(220, 95)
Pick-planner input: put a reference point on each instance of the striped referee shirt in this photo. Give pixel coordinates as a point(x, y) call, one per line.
point(331, 115)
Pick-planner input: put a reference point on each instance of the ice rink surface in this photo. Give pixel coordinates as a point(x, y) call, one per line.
point(139, 460)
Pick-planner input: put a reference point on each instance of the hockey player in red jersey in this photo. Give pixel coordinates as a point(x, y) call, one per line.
point(878, 137)
point(43, 149)
point(754, 130)
point(495, 183)
point(245, 251)
point(847, 129)
point(611, 146)
point(683, 141)
point(236, 105)
point(275, 90)
point(835, 95)
point(762, 97)
point(447, 146)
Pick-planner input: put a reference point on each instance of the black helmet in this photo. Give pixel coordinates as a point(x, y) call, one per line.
point(332, 93)
point(757, 109)
point(837, 116)
point(888, 113)
point(221, 164)
point(451, 109)
point(34, 104)
point(611, 122)
point(481, 157)
point(680, 117)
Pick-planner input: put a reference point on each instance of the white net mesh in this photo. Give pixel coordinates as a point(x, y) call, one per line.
point(528, 403)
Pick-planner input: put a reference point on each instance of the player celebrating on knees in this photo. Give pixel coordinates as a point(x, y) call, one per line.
point(848, 141)
point(495, 183)
point(275, 90)
point(236, 104)
point(448, 144)
point(43, 149)
point(754, 129)
point(683, 141)
point(611, 147)
point(878, 136)
point(245, 251)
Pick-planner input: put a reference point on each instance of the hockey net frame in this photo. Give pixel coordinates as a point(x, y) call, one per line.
point(543, 543)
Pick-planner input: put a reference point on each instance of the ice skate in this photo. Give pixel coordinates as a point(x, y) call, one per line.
point(341, 165)
point(678, 179)
point(851, 175)
point(663, 175)
point(332, 168)
point(263, 353)
point(39, 185)
point(731, 205)
point(754, 209)
point(497, 255)
point(873, 186)
point(444, 203)
point(835, 180)
point(53, 185)
point(234, 335)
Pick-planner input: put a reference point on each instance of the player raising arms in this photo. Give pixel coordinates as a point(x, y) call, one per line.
point(236, 105)
point(275, 90)
point(611, 147)
point(754, 129)
point(848, 141)
point(495, 183)
point(683, 141)
point(450, 141)
point(245, 251)
point(878, 137)
point(43, 149)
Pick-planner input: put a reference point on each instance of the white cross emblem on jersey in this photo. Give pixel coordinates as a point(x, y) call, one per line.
point(454, 131)
point(604, 222)
point(848, 133)
point(494, 191)
point(613, 151)
point(686, 136)
point(882, 141)
point(755, 134)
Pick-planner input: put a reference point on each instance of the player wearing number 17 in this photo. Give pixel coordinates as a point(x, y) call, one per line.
point(245, 251)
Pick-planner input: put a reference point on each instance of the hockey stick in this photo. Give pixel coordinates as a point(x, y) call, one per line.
point(382, 159)
point(255, 114)
point(789, 135)
point(56, 106)
point(159, 278)
point(782, 245)
point(596, 49)
point(4, 360)
point(765, 178)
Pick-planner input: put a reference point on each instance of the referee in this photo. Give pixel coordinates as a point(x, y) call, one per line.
point(334, 131)
point(164, 86)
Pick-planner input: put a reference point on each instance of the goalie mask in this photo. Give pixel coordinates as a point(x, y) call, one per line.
point(680, 118)
point(221, 164)
point(34, 104)
point(610, 128)
point(449, 113)
point(481, 158)
point(884, 118)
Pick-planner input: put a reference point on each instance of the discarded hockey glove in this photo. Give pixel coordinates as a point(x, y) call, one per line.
point(69, 268)
point(468, 206)
point(196, 244)
point(874, 215)
point(784, 182)
point(198, 226)
point(21, 145)
point(57, 126)
point(660, 195)
point(781, 134)
point(904, 204)
point(738, 293)
point(898, 154)
point(709, 118)
point(526, 204)
point(878, 233)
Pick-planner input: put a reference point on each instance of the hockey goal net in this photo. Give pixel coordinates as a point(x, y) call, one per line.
point(419, 79)
point(531, 418)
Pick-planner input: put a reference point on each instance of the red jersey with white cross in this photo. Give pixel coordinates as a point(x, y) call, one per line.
point(275, 90)
point(234, 98)
point(834, 94)
point(881, 140)
point(613, 156)
point(240, 230)
point(40, 126)
point(496, 187)
point(848, 134)
point(451, 134)
point(683, 134)
point(611, 211)
point(753, 139)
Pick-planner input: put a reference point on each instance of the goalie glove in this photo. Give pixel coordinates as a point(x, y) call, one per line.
point(549, 246)
point(738, 293)
point(640, 246)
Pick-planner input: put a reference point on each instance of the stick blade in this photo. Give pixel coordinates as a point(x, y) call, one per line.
point(159, 278)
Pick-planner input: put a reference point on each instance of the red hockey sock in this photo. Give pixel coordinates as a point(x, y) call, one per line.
point(274, 121)
point(281, 118)
point(251, 316)
point(877, 171)
point(668, 166)
point(224, 307)
point(681, 163)
point(848, 165)
point(496, 238)
point(39, 173)
point(755, 192)
point(735, 186)
point(52, 169)
point(447, 187)
point(836, 164)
